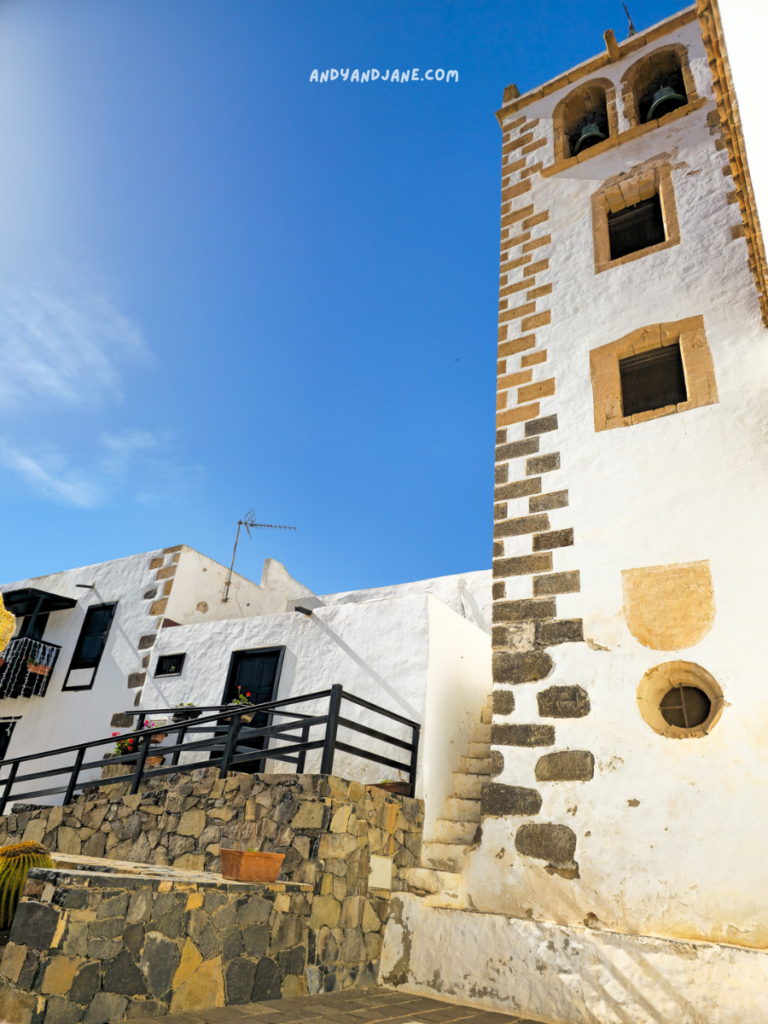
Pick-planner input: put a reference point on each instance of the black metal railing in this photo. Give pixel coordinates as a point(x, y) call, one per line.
point(26, 666)
point(224, 739)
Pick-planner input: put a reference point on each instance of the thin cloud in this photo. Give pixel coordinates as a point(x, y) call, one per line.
point(62, 348)
point(61, 486)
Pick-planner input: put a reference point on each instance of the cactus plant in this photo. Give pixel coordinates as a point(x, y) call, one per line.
point(15, 862)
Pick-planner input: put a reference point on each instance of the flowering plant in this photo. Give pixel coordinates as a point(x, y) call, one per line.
point(241, 698)
point(129, 744)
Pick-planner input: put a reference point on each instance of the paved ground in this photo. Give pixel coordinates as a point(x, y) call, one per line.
point(365, 1006)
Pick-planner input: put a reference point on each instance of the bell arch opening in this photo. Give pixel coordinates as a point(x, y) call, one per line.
point(658, 84)
point(584, 118)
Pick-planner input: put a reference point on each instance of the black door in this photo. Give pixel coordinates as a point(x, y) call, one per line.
point(254, 675)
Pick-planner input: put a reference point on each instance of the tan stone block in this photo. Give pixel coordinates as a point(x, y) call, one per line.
point(654, 414)
point(167, 586)
point(510, 348)
point(533, 146)
point(526, 412)
point(67, 840)
point(59, 974)
point(541, 389)
point(533, 358)
point(537, 218)
point(203, 989)
point(630, 190)
point(340, 820)
point(35, 831)
point(514, 264)
point(221, 813)
point(166, 573)
point(158, 607)
point(13, 960)
point(537, 293)
point(501, 367)
point(294, 985)
point(309, 815)
point(282, 903)
point(511, 242)
point(190, 862)
point(156, 563)
point(518, 286)
point(194, 901)
point(537, 243)
point(326, 912)
point(539, 320)
point(514, 379)
point(516, 190)
point(614, 197)
point(535, 268)
point(356, 792)
point(192, 822)
point(190, 961)
point(518, 311)
point(513, 218)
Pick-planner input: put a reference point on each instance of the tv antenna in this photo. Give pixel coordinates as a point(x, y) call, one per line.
point(632, 29)
point(249, 522)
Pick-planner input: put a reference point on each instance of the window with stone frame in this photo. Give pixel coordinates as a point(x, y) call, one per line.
point(584, 118)
point(654, 371)
point(658, 84)
point(634, 215)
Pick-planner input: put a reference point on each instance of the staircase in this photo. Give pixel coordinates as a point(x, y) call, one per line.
point(439, 877)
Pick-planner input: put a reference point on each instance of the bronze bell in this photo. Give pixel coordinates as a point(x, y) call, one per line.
point(661, 98)
point(590, 135)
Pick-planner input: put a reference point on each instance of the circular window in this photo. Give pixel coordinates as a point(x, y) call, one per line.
point(680, 700)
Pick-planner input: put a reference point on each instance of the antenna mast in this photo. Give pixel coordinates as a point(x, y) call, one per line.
point(249, 522)
point(632, 29)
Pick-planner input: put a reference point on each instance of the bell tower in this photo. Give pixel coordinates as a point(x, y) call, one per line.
point(627, 745)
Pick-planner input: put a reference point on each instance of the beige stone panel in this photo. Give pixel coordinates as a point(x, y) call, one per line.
point(669, 607)
point(203, 989)
point(190, 961)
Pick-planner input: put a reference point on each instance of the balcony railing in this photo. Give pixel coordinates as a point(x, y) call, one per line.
point(26, 666)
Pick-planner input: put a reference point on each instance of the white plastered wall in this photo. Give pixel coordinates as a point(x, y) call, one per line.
point(391, 652)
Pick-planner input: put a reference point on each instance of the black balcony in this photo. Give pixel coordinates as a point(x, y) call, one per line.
point(26, 667)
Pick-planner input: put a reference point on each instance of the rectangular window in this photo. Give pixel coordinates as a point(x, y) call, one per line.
point(652, 380)
point(636, 227)
point(90, 647)
point(170, 665)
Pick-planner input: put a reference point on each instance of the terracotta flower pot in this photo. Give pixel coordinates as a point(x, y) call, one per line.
point(244, 866)
point(39, 670)
point(401, 788)
point(153, 761)
point(158, 737)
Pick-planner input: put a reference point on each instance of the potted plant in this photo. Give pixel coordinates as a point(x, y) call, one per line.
point(185, 713)
point(36, 667)
point(131, 744)
point(250, 865)
point(241, 699)
point(391, 786)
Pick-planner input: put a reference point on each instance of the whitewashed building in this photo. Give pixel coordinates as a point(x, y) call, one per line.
point(618, 874)
point(162, 628)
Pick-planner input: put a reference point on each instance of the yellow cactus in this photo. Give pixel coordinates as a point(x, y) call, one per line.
point(7, 625)
point(15, 862)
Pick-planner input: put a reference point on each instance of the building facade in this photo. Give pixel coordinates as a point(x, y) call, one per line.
point(617, 872)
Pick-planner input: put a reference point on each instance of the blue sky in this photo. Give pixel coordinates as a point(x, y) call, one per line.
point(223, 286)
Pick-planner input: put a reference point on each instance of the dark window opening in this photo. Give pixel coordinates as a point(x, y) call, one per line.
point(652, 380)
point(6, 731)
point(685, 707)
point(93, 636)
point(33, 626)
point(170, 664)
point(635, 228)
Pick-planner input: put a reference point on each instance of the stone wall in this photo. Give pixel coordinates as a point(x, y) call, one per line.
point(98, 946)
point(327, 828)
point(184, 820)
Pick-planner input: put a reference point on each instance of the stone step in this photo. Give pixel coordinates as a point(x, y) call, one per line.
point(467, 787)
point(443, 856)
point(457, 809)
point(481, 733)
point(476, 765)
point(486, 716)
point(479, 750)
point(455, 831)
point(442, 888)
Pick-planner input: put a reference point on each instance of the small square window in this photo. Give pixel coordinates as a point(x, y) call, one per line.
point(652, 380)
point(636, 227)
point(170, 664)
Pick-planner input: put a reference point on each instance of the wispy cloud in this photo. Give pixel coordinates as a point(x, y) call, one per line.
point(62, 346)
point(118, 463)
point(54, 480)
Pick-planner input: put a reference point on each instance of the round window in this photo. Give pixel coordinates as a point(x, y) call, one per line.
point(680, 700)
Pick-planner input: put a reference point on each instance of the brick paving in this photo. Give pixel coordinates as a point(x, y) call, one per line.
point(363, 1006)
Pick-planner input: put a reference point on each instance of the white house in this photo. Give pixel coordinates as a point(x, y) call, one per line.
point(162, 628)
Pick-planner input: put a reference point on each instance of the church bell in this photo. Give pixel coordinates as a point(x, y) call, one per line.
point(590, 135)
point(664, 101)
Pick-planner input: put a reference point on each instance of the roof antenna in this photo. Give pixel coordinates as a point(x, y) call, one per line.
point(249, 522)
point(632, 29)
